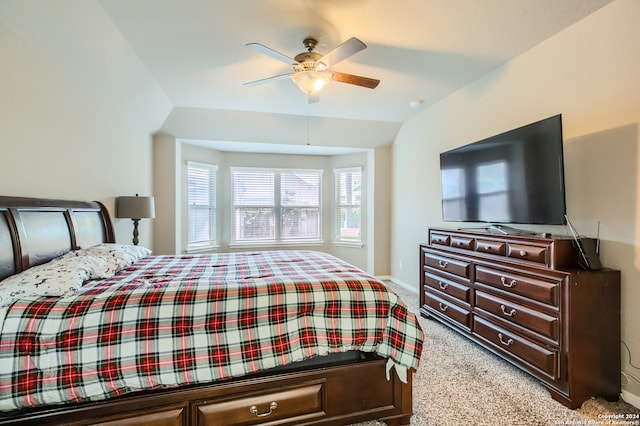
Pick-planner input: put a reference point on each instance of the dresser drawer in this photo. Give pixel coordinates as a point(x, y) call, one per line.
point(440, 239)
point(450, 310)
point(447, 264)
point(290, 403)
point(491, 247)
point(450, 287)
point(463, 242)
point(542, 359)
point(538, 322)
point(527, 252)
point(540, 289)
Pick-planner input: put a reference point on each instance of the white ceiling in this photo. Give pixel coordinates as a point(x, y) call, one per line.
point(421, 50)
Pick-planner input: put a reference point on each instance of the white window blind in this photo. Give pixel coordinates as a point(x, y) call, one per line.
point(201, 199)
point(276, 206)
point(348, 193)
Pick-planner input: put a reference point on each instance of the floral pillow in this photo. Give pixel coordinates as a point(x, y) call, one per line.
point(117, 256)
point(60, 277)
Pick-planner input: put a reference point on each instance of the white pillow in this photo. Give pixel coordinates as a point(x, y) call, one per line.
point(117, 256)
point(59, 277)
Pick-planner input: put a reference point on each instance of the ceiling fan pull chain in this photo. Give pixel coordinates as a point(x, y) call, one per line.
point(308, 125)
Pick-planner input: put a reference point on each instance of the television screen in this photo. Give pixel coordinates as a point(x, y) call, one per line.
point(513, 177)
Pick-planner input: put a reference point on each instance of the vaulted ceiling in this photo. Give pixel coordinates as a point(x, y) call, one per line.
point(420, 50)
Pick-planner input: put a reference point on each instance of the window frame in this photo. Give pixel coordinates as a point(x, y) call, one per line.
point(277, 207)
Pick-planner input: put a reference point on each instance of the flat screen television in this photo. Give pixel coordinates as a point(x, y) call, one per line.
point(516, 177)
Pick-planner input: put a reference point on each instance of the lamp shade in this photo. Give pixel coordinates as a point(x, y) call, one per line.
point(310, 81)
point(135, 207)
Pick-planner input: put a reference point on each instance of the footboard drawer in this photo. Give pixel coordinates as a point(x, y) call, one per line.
point(169, 416)
point(293, 404)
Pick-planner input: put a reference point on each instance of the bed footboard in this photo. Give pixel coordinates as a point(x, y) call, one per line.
point(334, 395)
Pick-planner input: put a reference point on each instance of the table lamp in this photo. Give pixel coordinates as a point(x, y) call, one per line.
point(135, 208)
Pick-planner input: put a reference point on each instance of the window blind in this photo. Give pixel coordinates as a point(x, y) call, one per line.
point(276, 205)
point(201, 200)
point(348, 193)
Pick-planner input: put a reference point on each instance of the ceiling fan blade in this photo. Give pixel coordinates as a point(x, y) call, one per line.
point(354, 79)
point(343, 51)
point(312, 98)
point(270, 52)
point(267, 80)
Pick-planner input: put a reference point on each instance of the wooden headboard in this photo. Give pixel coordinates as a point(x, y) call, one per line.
point(35, 230)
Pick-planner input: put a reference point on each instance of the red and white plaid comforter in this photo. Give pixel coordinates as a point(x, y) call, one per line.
point(175, 320)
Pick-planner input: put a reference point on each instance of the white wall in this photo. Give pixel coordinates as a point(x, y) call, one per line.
point(379, 174)
point(62, 136)
point(167, 187)
point(590, 73)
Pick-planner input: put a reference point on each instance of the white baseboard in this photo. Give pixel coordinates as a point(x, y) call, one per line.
point(383, 277)
point(409, 287)
point(631, 398)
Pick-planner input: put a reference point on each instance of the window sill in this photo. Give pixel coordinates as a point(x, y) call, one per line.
point(352, 244)
point(276, 244)
point(201, 249)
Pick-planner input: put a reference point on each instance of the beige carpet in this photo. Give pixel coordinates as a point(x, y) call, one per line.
point(459, 383)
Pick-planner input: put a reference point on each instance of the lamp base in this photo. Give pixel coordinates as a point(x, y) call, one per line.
point(135, 231)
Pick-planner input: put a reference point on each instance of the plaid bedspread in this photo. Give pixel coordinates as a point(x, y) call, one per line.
point(174, 320)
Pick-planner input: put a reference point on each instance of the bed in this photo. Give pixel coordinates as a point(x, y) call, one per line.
point(94, 332)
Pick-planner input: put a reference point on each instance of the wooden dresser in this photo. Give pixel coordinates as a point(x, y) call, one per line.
point(524, 299)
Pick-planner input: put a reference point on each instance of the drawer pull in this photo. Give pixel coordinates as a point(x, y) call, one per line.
point(443, 286)
point(442, 263)
point(506, 283)
point(507, 343)
point(523, 253)
point(511, 313)
point(443, 308)
point(254, 410)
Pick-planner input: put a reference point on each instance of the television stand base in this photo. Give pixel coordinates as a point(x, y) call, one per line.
point(508, 230)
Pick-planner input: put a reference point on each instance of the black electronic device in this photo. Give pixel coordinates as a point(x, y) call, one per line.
point(591, 259)
point(588, 257)
point(514, 177)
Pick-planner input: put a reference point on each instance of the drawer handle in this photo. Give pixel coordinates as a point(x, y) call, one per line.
point(442, 263)
point(254, 410)
point(506, 283)
point(443, 308)
point(507, 343)
point(523, 253)
point(442, 285)
point(511, 313)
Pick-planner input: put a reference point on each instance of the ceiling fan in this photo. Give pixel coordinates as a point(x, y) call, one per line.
point(311, 69)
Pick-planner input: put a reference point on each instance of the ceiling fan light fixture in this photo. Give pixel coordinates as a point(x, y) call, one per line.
point(311, 70)
point(310, 81)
